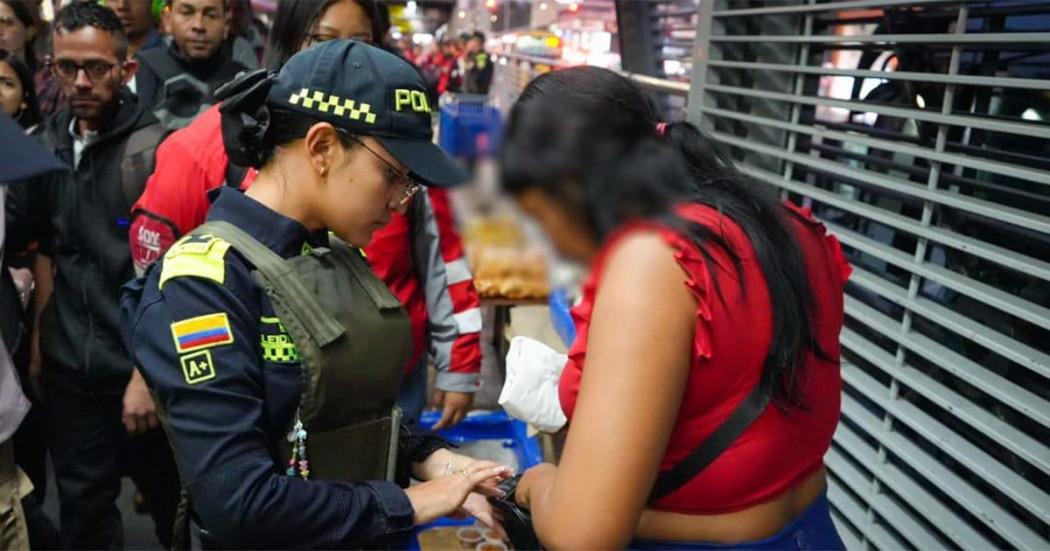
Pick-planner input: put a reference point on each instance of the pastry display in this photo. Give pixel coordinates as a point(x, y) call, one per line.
point(503, 267)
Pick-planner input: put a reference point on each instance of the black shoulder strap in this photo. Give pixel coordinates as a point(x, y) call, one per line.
point(685, 470)
point(138, 160)
point(160, 62)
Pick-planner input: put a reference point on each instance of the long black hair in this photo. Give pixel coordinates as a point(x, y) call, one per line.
point(295, 18)
point(30, 114)
point(589, 138)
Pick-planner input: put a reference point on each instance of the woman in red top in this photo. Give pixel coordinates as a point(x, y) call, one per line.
point(704, 288)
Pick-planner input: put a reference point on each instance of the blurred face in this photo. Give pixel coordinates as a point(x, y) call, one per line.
point(570, 236)
point(86, 64)
point(13, 34)
point(198, 27)
point(10, 91)
point(474, 45)
point(134, 15)
point(240, 16)
point(342, 20)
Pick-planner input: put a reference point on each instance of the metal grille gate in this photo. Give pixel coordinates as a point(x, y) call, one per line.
point(917, 132)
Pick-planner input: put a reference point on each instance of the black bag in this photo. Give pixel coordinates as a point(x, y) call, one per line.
point(517, 521)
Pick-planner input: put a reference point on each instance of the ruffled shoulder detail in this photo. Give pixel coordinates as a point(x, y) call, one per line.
point(688, 256)
point(698, 281)
point(832, 244)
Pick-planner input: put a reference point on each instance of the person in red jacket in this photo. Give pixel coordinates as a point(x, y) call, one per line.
point(419, 255)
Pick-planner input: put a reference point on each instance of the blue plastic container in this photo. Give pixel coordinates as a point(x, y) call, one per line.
point(487, 426)
point(468, 126)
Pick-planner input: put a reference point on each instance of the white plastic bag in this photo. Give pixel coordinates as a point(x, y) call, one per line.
point(530, 392)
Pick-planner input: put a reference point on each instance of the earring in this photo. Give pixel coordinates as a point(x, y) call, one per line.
point(324, 171)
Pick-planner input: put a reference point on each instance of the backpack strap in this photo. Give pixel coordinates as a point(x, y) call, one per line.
point(139, 160)
point(667, 482)
point(160, 62)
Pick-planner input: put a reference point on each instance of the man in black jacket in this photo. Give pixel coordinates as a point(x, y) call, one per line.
point(102, 419)
point(178, 82)
point(479, 68)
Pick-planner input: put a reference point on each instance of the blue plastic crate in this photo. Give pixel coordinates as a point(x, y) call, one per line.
point(486, 426)
point(468, 126)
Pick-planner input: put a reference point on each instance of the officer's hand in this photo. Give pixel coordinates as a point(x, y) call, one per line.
point(443, 462)
point(478, 506)
point(455, 406)
point(140, 414)
point(445, 495)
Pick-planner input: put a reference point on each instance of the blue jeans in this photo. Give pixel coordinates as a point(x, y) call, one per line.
point(812, 529)
point(412, 397)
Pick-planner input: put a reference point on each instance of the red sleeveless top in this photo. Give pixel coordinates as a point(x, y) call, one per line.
point(733, 333)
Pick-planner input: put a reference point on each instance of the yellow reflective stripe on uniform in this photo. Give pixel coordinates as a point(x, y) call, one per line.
point(196, 258)
point(481, 60)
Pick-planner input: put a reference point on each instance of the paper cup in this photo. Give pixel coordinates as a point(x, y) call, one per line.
point(492, 545)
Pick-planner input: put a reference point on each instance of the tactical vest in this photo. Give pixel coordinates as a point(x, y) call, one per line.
point(352, 337)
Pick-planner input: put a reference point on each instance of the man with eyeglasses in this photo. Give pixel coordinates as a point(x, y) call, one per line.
point(178, 82)
point(102, 422)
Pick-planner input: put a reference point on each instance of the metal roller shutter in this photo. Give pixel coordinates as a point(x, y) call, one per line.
point(917, 131)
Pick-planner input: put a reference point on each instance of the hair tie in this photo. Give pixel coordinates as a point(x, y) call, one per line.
point(245, 116)
point(661, 129)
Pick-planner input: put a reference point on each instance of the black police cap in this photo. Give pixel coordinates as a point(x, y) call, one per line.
point(368, 91)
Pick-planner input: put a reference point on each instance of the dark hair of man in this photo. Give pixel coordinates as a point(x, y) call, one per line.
point(587, 138)
point(78, 15)
point(30, 115)
point(479, 35)
point(25, 16)
point(295, 19)
point(171, 3)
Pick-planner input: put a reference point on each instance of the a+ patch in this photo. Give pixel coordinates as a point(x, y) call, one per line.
point(198, 367)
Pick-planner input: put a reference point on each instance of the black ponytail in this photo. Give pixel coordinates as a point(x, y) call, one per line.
point(589, 138)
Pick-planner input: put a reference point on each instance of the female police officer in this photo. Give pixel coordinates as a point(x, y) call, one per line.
point(274, 353)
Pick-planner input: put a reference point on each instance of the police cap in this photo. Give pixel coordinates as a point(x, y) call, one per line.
point(368, 91)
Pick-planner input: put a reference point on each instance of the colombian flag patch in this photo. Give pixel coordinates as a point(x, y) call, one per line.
point(201, 332)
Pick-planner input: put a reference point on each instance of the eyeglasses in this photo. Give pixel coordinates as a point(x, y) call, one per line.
point(95, 69)
point(411, 184)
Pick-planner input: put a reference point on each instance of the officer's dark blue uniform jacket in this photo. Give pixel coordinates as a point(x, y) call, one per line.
point(227, 407)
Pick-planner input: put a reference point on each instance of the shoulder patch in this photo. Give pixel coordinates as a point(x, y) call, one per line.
point(196, 255)
point(201, 332)
point(197, 368)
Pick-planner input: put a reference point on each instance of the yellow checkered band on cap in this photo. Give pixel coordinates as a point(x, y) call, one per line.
point(325, 103)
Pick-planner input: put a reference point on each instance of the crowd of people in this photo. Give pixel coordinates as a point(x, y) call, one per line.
point(459, 65)
point(234, 292)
